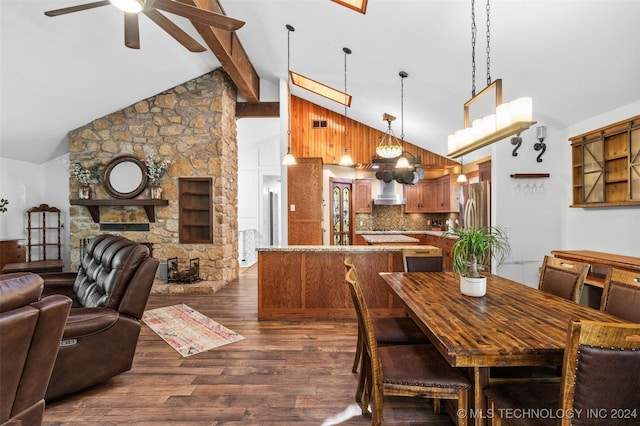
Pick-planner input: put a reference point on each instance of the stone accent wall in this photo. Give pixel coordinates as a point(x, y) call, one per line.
point(192, 125)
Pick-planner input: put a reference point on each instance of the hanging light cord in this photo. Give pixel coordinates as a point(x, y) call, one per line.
point(402, 76)
point(473, 48)
point(346, 51)
point(488, 46)
point(290, 29)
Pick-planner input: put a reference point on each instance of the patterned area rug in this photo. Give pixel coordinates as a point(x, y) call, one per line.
point(187, 330)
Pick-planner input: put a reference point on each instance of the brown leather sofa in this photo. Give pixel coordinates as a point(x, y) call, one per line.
point(109, 293)
point(30, 332)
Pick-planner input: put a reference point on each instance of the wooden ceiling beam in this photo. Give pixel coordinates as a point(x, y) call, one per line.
point(259, 110)
point(228, 49)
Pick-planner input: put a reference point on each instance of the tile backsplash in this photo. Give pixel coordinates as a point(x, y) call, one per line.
point(385, 217)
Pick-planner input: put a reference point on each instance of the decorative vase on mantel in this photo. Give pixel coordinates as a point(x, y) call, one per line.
point(84, 192)
point(155, 191)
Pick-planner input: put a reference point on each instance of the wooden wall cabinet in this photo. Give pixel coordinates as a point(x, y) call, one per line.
point(420, 197)
point(446, 194)
point(606, 165)
point(484, 171)
point(195, 201)
point(364, 202)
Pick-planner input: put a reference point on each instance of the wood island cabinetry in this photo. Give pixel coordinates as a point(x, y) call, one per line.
point(606, 165)
point(309, 282)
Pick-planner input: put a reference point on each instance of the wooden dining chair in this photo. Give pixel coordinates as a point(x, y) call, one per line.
point(422, 259)
point(401, 370)
point(599, 382)
point(389, 331)
point(621, 294)
point(563, 278)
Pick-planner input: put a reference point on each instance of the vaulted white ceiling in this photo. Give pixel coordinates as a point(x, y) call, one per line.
point(577, 59)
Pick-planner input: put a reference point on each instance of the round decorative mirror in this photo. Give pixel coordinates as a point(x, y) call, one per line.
point(125, 177)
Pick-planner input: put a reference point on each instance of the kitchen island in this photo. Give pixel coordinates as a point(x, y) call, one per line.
point(308, 281)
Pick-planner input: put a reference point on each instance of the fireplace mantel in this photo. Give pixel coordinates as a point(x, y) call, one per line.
point(94, 206)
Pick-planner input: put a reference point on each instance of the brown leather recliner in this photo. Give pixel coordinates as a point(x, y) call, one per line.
point(30, 332)
point(109, 293)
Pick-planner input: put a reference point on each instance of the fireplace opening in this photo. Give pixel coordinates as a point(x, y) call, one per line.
point(183, 276)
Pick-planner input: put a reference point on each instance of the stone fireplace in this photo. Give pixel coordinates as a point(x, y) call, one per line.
point(193, 126)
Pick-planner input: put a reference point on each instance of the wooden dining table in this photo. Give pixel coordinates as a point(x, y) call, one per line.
point(512, 325)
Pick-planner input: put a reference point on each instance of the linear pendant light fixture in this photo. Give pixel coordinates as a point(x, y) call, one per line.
point(289, 159)
point(346, 159)
point(509, 119)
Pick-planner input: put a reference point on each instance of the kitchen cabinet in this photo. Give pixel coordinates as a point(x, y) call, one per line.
point(606, 165)
point(484, 171)
point(363, 196)
point(446, 194)
point(420, 197)
point(195, 210)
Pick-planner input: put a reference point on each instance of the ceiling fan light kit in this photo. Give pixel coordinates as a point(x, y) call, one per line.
point(130, 6)
point(151, 9)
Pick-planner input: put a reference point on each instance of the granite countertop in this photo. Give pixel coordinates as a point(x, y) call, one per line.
point(389, 238)
point(356, 248)
point(400, 232)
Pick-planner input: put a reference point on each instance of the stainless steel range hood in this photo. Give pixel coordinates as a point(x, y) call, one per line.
point(391, 194)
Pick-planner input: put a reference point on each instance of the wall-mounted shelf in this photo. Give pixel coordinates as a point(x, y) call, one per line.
point(529, 175)
point(94, 206)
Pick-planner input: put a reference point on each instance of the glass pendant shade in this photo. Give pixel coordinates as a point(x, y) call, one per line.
point(462, 178)
point(346, 159)
point(289, 159)
point(130, 6)
point(389, 146)
point(403, 163)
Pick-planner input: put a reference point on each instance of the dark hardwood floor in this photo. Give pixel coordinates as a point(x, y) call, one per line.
point(283, 373)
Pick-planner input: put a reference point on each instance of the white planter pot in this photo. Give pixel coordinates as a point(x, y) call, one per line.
point(476, 287)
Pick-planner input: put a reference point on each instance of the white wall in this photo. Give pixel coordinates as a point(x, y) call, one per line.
point(26, 185)
point(541, 222)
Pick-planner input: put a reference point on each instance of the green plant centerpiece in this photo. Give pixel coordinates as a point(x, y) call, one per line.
point(472, 252)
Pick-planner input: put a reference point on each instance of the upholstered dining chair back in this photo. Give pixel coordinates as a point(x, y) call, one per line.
point(621, 294)
point(109, 293)
point(563, 278)
point(30, 332)
point(422, 259)
point(599, 375)
point(600, 368)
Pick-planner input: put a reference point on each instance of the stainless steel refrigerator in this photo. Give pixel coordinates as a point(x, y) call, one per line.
point(475, 205)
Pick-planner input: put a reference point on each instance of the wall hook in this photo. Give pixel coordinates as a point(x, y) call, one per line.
point(540, 146)
point(516, 140)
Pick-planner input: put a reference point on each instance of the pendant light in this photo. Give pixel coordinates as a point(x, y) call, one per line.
point(462, 178)
point(509, 119)
point(388, 147)
point(346, 159)
point(403, 162)
point(289, 159)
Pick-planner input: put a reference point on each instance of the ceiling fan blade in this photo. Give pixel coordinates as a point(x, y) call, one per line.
point(196, 14)
point(78, 8)
point(131, 31)
point(174, 31)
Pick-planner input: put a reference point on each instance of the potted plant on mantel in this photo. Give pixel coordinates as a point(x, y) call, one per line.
point(473, 251)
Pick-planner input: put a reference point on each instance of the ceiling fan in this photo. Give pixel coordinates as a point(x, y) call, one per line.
point(151, 9)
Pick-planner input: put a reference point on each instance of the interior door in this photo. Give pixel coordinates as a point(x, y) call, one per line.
point(341, 212)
